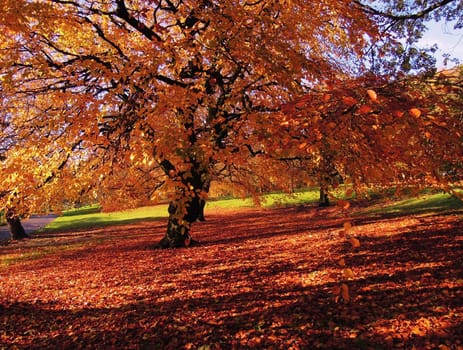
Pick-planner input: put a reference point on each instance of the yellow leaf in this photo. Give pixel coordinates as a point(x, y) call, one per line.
point(372, 95)
point(348, 273)
point(414, 112)
point(302, 145)
point(354, 242)
point(347, 226)
point(419, 332)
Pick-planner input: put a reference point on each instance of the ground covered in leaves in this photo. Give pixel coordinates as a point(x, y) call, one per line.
point(262, 279)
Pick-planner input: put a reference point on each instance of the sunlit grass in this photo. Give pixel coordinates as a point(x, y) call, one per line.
point(267, 201)
point(427, 203)
point(91, 217)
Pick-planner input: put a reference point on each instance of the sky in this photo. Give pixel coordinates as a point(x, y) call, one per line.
point(448, 39)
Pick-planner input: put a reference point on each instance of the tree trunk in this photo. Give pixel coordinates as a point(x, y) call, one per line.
point(186, 209)
point(14, 223)
point(324, 200)
point(182, 213)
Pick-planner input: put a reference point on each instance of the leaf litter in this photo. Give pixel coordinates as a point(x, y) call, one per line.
point(273, 279)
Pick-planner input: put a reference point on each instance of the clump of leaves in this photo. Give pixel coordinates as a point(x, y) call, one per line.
point(265, 280)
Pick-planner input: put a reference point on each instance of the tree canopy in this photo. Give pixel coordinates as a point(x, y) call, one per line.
point(120, 100)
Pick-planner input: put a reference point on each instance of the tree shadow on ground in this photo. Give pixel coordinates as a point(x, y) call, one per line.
point(262, 281)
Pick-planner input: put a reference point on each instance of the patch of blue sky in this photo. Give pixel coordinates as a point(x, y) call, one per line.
point(448, 40)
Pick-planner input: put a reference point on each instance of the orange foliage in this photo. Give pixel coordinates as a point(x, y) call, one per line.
point(129, 102)
point(124, 102)
point(411, 134)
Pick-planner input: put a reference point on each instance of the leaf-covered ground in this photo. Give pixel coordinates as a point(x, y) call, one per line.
point(262, 279)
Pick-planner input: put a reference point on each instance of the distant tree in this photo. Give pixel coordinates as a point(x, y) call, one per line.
point(121, 100)
point(380, 132)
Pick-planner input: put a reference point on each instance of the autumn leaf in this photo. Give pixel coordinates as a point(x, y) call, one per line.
point(398, 114)
point(414, 112)
point(372, 95)
point(347, 226)
point(345, 292)
point(364, 109)
point(332, 125)
point(345, 204)
point(348, 273)
point(354, 242)
point(349, 101)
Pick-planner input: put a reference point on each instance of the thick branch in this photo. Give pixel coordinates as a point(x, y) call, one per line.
point(416, 15)
point(124, 14)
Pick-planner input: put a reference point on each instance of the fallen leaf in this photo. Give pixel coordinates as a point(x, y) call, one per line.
point(347, 226)
point(349, 101)
point(372, 94)
point(354, 242)
point(348, 273)
point(414, 112)
point(345, 292)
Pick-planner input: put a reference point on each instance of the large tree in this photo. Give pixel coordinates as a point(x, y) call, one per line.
point(121, 99)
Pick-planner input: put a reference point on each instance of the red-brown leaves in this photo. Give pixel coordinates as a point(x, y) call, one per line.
point(264, 280)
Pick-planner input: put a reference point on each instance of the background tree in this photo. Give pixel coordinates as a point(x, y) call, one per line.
point(378, 132)
point(118, 99)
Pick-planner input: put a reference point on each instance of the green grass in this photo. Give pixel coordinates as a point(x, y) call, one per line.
point(91, 216)
point(427, 203)
point(267, 201)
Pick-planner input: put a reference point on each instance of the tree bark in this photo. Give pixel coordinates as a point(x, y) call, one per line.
point(324, 200)
point(14, 224)
point(182, 213)
point(186, 209)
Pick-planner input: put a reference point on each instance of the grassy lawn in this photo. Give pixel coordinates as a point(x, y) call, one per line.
point(428, 203)
point(91, 216)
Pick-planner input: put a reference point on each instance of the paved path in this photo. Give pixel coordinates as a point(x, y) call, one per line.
point(34, 223)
